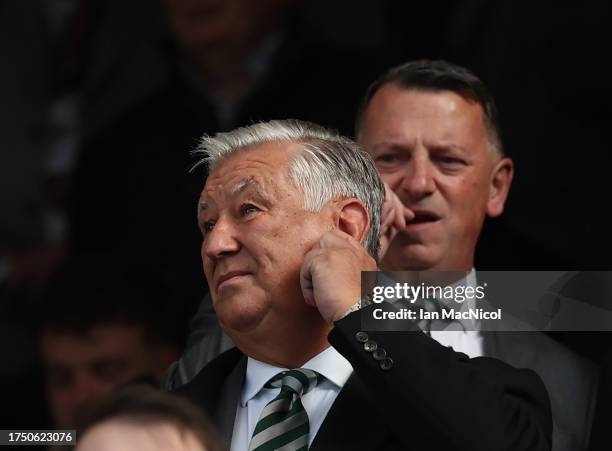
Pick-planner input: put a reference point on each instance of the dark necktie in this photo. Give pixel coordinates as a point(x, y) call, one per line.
point(283, 423)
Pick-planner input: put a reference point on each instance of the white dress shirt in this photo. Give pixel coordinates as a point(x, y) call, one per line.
point(317, 402)
point(461, 335)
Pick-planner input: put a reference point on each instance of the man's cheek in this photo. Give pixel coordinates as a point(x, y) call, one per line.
point(393, 180)
point(207, 267)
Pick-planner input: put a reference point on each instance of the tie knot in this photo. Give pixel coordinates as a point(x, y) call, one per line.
point(299, 380)
point(429, 309)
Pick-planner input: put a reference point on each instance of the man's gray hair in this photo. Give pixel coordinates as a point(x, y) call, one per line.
point(329, 167)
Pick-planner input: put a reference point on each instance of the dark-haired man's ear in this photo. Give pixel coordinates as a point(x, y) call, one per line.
point(351, 216)
point(501, 179)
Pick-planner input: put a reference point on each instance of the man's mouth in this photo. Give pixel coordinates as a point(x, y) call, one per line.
point(228, 277)
point(422, 219)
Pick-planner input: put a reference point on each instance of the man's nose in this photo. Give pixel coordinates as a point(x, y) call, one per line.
point(221, 240)
point(418, 178)
point(85, 389)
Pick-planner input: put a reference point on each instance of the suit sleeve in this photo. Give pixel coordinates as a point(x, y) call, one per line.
point(431, 394)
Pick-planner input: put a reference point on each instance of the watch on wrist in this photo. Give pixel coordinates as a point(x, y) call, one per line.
point(363, 302)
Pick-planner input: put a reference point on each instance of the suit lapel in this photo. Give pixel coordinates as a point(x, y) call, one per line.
point(518, 349)
point(225, 412)
point(352, 422)
point(217, 389)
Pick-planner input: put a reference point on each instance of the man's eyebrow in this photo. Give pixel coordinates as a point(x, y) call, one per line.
point(244, 184)
point(445, 147)
point(239, 188)
point(202, 205)
point(384, 146)
point(251, 184)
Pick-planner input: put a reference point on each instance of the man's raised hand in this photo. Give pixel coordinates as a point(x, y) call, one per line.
point(331, 274)
point(393, 219)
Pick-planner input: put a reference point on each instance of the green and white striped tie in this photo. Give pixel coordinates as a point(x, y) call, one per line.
point(283, 423)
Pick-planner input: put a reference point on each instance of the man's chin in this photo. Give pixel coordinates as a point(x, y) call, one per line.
point(240, 316)
point(413, 257)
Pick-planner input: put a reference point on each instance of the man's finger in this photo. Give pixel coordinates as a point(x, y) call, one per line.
point(336, 238)
point(306, 276)
point(399, 221)
point(408, 214)
point(387, 221)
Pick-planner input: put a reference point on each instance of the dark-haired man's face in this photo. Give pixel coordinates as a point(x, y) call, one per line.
point(203, 24)
point(83, 369)
point(431, 148)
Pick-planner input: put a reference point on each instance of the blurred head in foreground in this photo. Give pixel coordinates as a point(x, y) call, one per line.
point(141, 418)
point(101, 327)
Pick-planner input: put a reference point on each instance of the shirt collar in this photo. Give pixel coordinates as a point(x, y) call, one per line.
point(470, 280)
point(329, 363)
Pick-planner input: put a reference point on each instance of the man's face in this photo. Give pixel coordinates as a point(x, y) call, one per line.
point(84, 369)
point(431, 148)
point(256, 233)
point(203, 24)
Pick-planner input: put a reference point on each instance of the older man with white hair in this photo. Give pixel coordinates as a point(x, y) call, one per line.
point(290, 217)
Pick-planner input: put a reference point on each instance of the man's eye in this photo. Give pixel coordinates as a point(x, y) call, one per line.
point(386, 159)
point(248, 209)
point(207, 227)
point(450, 161)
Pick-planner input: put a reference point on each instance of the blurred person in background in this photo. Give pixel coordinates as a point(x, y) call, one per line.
point(227, 63)
point(142, 418)
point(102, 325)
point(61, 58)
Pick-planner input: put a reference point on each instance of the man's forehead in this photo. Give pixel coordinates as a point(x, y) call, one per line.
point(244, 184)
point(249, 183)
point(234, 185)
point(263, 159)
point(259, 169)
point(442, 118)
point(417, 103)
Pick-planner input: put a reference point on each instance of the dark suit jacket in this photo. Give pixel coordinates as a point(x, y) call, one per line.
point(431, 398)
point(571, 379)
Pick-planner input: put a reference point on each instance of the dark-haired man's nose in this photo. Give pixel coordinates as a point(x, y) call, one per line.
point(417, 178)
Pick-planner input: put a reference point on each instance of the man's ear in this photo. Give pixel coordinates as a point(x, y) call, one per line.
point(501, 179)
point(351, 216)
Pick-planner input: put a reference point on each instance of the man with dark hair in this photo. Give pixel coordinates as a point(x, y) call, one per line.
point(290, 217)
point(438, 76)
point(432, 129)
point(100, 327)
